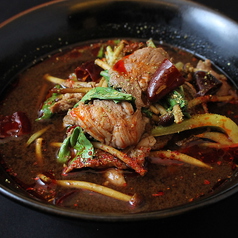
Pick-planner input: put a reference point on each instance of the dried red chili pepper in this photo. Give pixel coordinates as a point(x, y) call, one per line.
point(15, 125)
point(88, 71)
point(166, 78)
point(207, 83)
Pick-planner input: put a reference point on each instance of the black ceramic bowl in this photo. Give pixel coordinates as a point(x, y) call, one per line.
point(38, 32)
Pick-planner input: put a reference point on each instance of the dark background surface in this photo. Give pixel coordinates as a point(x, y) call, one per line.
point(217, 220)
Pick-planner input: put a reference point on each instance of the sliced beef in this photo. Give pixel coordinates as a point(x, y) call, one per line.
point(133, 73)
point(139, 154)
point(101, 160)
point(67, 101)
point(104, 160)
point(114, 124)
point(77, 84)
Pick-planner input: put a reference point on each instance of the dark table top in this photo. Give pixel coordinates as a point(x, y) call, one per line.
point(217, 220)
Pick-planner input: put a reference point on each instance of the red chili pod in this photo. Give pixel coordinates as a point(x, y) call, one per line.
point(88, 71)
point(14, 125)
point(207, 83)
point(166, 78)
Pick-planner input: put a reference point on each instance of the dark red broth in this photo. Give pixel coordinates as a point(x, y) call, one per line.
point(163, 186)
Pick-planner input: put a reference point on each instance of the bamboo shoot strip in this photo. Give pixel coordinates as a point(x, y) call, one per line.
point(219, 146)
point(75, 84)
point(117, 52)
point(53, 79)
point(37, 134)
point(175, 155)
point(70, 90)
point(217, 137)
point(89, 186)
point(122, 156)
point(38, 150)
point(208, 98)
point(102, 64)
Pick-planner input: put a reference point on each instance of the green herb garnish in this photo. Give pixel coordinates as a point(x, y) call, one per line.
point(106, 93)
point(77, 141)
point(45, 110)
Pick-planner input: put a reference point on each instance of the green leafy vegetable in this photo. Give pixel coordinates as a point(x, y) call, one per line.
point(147, 112)
point(64, 152)
point(106, 75)
point(176, 97)
point(45, 110)
point(106, 93)
point(150, 43)
point(101, 52)
point(77, 141)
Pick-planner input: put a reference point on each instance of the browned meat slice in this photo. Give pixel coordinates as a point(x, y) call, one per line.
point(101, 160)
point(116, 125)
point(139, 154)
point(77, 84)
point(67, 101)
point(104, 160)
point(132, 73)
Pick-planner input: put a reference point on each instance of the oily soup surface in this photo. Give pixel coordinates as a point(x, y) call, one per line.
point(163, 186)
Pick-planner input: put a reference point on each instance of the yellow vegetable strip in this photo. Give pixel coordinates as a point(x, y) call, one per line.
point(102, 64)
point(122, 156)
point(102, 82)
point(80, 84)
point(53, 79)
point(117, 52)
point(56, 144)
point(216, 136)
point(154, 110)
point(89, 186)
point(219, 146)
point(175, 155)
point(36, 135)
point(208, 98)
point(161, 109)
point(75, 84)
point(38, 150)
point(41, 95)
point(109, 55)
point(201, 120)
point(70, 90)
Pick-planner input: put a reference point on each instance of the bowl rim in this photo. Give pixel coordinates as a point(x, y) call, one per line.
point(25, 12)
point(51, 209)
point(117, 217)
